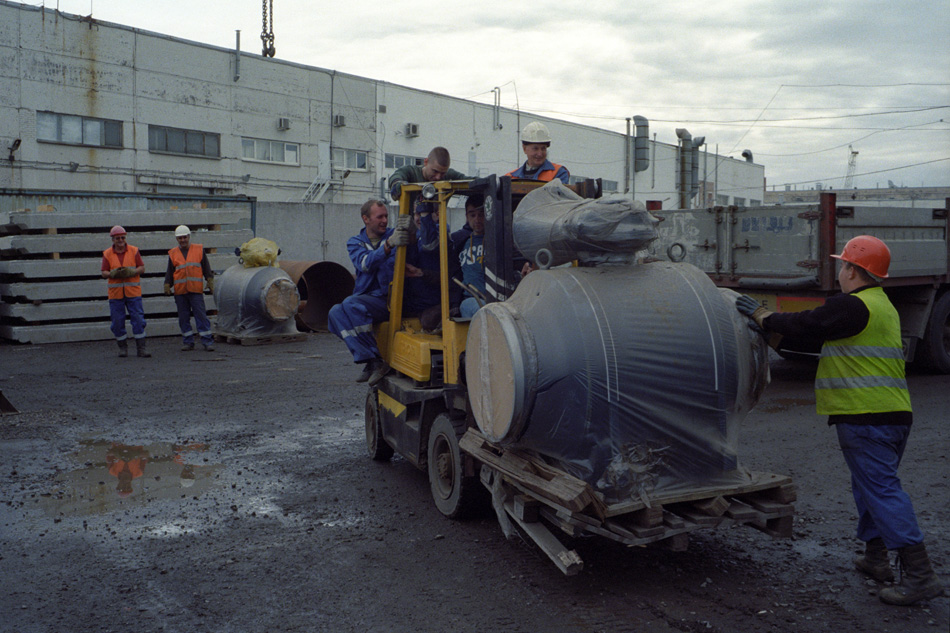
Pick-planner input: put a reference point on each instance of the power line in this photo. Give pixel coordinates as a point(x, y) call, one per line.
point(868, 173)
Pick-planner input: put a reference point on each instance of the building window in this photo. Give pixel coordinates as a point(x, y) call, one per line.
point(270, 151)
point(78, 130)
point(755, 203)
point(610, 185)
point(188, 142)
point(722, 200)
point(349, 159)
point(395, 161)
point(739, 202)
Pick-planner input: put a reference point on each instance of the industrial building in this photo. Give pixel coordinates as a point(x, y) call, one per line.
point(105, 124)
point(92, 106)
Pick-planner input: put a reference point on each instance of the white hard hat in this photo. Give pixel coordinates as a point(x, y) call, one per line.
point(182, 231)
point(535, 132)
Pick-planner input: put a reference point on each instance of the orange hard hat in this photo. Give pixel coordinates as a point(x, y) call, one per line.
point(117, 230)
point(869, 253)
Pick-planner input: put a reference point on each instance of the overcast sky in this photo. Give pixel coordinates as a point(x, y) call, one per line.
point(795, 82)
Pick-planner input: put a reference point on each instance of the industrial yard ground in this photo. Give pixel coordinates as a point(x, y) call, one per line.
point(257, 511)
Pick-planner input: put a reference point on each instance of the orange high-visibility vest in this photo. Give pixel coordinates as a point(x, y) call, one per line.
point(545, 175)
point(187, 273)
point(130, 286)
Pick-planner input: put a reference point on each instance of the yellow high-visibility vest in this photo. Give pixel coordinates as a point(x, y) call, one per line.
point(865, 373)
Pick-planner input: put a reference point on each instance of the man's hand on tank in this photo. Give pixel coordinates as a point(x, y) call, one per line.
point(752, 309)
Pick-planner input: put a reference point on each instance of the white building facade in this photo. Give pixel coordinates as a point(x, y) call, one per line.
point(94, 106)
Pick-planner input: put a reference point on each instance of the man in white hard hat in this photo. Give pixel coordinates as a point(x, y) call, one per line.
point(535, 141)
point(122, 266)
point(187, 265)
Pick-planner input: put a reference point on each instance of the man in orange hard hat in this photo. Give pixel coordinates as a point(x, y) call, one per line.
point(860, 386)
point(122, 266)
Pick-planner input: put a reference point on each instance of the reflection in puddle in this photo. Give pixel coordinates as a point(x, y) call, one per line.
point(115, 475)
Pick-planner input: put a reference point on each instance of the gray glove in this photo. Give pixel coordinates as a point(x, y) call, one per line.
point(399, 237)
point(403, 221)
point(752, 309)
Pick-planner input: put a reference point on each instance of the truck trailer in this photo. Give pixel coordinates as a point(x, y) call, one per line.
point(780, 255)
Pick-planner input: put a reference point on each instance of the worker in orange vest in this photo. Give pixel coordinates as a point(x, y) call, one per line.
point(535, 141)
point(187, 266)
point(122, 266)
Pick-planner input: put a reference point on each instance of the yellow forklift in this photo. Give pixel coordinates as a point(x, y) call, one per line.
point(421, 408)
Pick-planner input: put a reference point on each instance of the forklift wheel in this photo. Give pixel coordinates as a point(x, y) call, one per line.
point(376, 445)
point(455, 495)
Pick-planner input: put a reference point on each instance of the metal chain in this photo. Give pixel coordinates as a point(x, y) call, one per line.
point(267, 30)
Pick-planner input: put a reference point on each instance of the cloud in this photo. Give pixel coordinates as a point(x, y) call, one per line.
point(699, 65)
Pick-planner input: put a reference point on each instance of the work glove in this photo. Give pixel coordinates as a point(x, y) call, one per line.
point(752, 309)
point(404, 222)
point(114, 273)
point(128, 271)
point(210, 283)
point(399, 237)
point(168, 290)
point(396, 190)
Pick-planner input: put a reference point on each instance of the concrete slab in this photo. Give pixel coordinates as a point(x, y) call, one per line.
point(89, 266)
point(90, 243)
point(75, 310)
point(87, 289)
point(194, 218)
point(67, 333)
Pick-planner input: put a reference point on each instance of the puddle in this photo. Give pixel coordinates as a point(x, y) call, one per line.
point(112, 476)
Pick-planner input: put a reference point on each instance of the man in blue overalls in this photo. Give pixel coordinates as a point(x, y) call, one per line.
point(373, 255)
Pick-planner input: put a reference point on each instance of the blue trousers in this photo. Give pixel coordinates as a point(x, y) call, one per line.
point(188, 304)
point(353, 321)
point(117, 310)
point(468, 307)
point(873, 454)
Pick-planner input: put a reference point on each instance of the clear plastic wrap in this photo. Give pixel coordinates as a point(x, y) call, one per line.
point(259, 301)
point(553, 226)
point(633, 378)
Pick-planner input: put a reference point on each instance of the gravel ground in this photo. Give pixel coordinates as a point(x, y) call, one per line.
point(258, 511)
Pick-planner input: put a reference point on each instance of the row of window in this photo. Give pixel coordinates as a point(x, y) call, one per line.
point(94, 132)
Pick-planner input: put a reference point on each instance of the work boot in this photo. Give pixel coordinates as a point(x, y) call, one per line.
point(380, 369)
point(141, 349)
point(123, 348)
point(366, 373)
point(918, 580)
point(875, 562)
point(187, 347)
point(209, 347)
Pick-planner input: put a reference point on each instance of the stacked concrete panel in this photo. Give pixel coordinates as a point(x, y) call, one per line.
point(51, 289)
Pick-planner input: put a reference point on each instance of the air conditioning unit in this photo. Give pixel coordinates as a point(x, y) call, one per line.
point(412, 129)
point(283, 124)
point(338, 120)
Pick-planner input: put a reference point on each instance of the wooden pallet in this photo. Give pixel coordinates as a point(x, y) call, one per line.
point(537, 495)
point(260, 340)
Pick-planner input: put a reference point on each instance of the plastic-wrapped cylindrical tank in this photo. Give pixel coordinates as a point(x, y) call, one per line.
point(633, 378)
point(259, 301)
